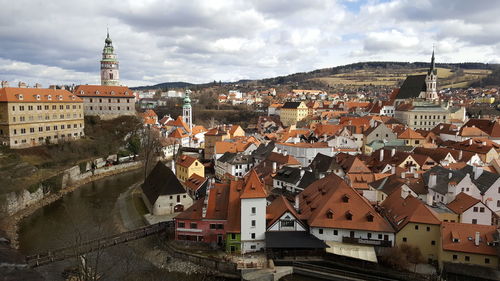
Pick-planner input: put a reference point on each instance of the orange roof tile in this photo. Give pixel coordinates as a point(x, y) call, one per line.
point(277, 208)
point(103, 91)
point(401, 211)
point(462, 203)
point(330, 194)
point(254, 187)
point(37, 95)
point(465, 235)
point(410, 134)
point(186, 161)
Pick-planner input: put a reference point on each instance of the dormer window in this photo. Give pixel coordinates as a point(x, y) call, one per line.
point(81, 92)
point(455, 240)
point(329, 214)
point(20, 96)
point(345, 198)
point(112, 92)
point(59, 97)
point(348, 215)
point(37, 97)
point(369, 217)
point(49, 97)
point(126, 93)
point(73, 97)
point(96, 92)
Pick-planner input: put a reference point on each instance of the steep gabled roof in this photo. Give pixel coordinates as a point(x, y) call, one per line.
point(291, 105)
point(277, 208)
point(161, 181)
point(412, 86)
point(254, 187)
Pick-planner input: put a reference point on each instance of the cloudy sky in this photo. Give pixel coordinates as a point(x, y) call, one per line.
point(60, 41)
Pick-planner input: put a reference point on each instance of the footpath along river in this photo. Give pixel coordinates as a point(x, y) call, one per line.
point(89, 212)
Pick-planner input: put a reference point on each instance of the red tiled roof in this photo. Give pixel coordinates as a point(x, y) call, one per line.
point(465, 235)
point(186, 161)
point(401, 211)
point(37, 95)
point(103, 91)
point(328, 195)
point(462, 203)
point(254, 187)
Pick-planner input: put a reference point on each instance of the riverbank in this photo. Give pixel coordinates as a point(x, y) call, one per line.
point(10, 224)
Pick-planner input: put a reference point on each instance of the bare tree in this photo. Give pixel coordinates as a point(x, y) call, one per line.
point(151, 146)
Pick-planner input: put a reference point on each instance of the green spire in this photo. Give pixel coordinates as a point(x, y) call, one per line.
point(187, 100)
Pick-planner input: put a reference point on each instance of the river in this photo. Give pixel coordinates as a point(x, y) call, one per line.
point(90, 212)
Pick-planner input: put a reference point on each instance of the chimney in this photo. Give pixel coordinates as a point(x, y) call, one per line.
point(321, 176)
point(460, 155)
point(450, 175)
point(429, 199)
point(5, 84)
point(38, 85)
point(432, 180)
point(21, 84)
point(478, 172)
point(172, 167)
point(393, 152)
point(470, 141)
point(296, 204)
point(274, 167)
point(381, 158)
point(393, 169)
point(476, 239)
point(279, 150)
point(285, 152)
point(403, 174)
point(302, 172)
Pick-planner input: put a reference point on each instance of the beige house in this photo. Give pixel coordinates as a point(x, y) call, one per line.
point(422, 116)
point(162, 192)
point(34, 116)
point(292, 112)
point(107, 102)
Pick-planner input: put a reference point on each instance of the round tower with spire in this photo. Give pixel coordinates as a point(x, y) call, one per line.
point(187, 116)
point(110, 74)
point(431, 81)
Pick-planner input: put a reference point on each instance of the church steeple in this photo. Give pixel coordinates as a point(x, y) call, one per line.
point(110, 75)
point(187, 114)
point(432, 69)
point(431, 81)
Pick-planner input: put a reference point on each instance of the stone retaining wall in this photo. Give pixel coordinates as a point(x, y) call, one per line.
point(15, 201)
point(226, 268)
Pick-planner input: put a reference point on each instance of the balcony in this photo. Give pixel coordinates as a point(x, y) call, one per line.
point(363, 241)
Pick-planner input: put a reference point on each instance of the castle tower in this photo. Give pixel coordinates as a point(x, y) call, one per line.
point(110, 75)
point(187, 116)
point(431, 81)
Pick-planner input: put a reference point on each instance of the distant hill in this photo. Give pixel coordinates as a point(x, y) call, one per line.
point(166, 85)
point(355, 75)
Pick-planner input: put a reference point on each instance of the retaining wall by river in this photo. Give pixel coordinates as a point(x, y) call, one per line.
point(16, 201)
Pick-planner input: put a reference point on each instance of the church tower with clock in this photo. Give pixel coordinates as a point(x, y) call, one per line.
point(110, 74)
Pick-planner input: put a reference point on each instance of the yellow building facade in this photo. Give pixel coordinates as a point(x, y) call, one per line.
point(34, 116)
point(424, 236)
point(186, 166)
point(293, 112)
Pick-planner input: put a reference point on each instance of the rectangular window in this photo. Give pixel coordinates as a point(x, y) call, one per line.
point(254, 210)
point(486, 260)
point(253, 235)
point(336, 232)
point(212, 226)
point(455, 257)
point(416, 227)
point(193, 225)
point(475, 209)
point(233, 236)
point(253, 223)
point(428, 228)
point(320, 231)
point(474, 221)
point(404, 239)
point(433, 242)
point(181, 224)
point(481, 209)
